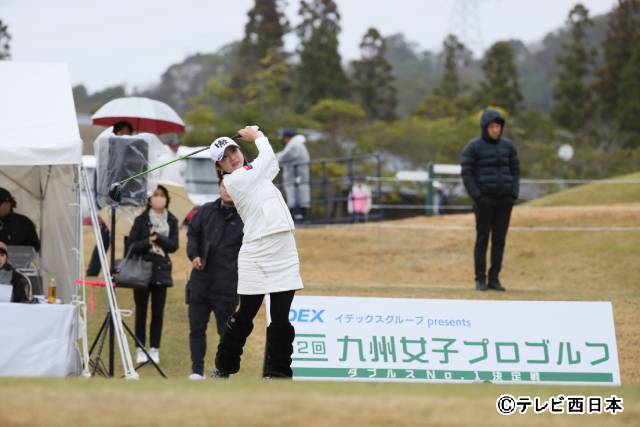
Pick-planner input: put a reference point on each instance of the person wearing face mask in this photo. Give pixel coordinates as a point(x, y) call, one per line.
point(213, 242)
point(153, 236)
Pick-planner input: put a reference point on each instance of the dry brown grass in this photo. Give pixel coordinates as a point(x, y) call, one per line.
point(404, 260)
point(420, 258)
point(426, 258)
point(259, 403)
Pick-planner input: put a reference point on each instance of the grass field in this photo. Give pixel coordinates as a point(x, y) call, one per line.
point(596, 194)
point(553, 253)
point(250, 402)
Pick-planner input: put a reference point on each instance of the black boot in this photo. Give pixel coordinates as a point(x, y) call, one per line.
point(279, 350)
point(220, 375)
point(230, 347)
point(481, 285)
point(494, 284)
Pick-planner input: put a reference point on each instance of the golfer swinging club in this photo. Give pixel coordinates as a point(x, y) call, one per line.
point(268, 260)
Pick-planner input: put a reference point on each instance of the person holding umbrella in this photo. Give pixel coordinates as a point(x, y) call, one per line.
point(268, 260)
point(122, 128)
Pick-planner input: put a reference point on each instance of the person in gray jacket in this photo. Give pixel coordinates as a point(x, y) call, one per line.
point(294, 161)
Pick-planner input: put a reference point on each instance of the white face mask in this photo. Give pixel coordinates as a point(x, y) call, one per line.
point(158, 202)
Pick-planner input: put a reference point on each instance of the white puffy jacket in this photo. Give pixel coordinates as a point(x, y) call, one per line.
point(259, 203)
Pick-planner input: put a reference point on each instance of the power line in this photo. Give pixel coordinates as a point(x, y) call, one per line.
point(466, 25)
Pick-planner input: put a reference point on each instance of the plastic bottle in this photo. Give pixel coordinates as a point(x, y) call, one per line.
point(52, 291)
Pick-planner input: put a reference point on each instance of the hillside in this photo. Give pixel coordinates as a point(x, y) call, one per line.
point(605, 193)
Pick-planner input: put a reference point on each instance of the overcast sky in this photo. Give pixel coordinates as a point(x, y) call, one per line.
point(132, 42)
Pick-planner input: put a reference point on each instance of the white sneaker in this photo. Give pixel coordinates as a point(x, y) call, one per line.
point(154, 353)
point(141, 357)
point(197, 377)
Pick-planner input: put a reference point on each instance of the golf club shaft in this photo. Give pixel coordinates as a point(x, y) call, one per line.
point(124, 181)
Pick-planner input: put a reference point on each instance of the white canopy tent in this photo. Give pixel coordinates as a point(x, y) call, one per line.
point(40, 157)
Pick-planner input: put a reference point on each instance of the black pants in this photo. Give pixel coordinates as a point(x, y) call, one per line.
point(158, 296)
point(298, 213)
point(280, 335)
point(199, 314)
point(491, 219)
point(94, 264)
point(280, 303)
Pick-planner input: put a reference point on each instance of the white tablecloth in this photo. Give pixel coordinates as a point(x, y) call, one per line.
point(38, 340)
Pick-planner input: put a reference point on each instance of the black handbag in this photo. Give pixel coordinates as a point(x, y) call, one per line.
point(162, 273)
point(133, 272)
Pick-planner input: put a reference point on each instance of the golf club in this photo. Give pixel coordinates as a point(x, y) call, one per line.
point(115, 190)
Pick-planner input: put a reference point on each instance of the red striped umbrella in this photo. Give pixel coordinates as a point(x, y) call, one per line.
point(146, 115)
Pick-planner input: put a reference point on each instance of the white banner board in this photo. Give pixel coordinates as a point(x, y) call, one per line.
point(392, 339)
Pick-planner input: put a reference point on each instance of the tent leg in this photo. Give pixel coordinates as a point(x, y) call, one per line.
point(95, 341)
point(141, 346)
point(113, 266)
point(114, 311)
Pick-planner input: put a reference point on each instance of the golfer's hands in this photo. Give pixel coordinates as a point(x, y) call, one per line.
point(153, 238)
point(197, 263)
point(250, 133)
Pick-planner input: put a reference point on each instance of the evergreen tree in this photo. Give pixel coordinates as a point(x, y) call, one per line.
point(320, 74)
point(450, 86)
point(5, 38)
point(267, 89)
point(628, 108)
point(201, 123)
point(623, 34)
point(264, 31)
point(500, 86)
point(373, 83)
point(336, 117)
point(570, 92)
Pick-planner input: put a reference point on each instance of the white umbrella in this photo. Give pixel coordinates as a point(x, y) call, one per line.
point(146, 115)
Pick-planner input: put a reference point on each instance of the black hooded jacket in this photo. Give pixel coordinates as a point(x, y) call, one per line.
point(490, 168)
point(215, 235)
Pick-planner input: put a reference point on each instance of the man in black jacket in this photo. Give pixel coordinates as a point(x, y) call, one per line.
point(214, 240)
point(16, 229)
point(491, 175)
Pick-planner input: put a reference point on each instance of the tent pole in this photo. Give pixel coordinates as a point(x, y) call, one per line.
point(113, 266)
point(114, 311)
point(82, 314)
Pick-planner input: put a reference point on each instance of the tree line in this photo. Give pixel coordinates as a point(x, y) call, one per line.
point(596, 92)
